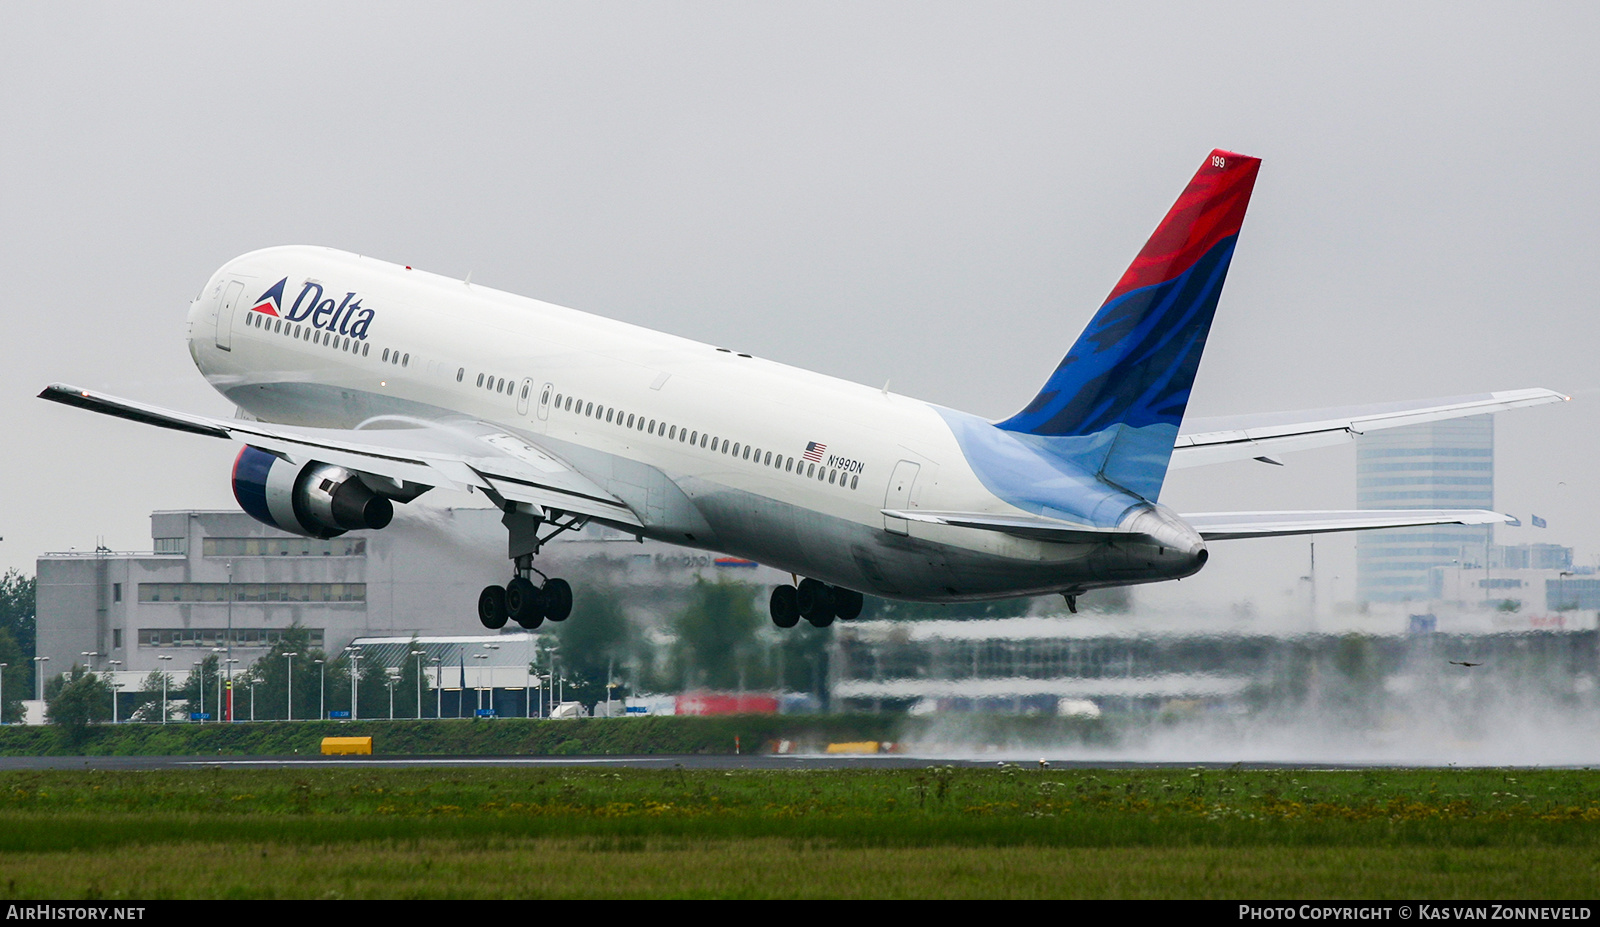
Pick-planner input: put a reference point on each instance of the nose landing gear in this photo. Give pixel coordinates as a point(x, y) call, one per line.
point(817, 602)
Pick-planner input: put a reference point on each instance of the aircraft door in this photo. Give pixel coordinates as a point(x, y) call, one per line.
point(899, 495)
point(544, 402)
point(230, 299)
point(523, 394)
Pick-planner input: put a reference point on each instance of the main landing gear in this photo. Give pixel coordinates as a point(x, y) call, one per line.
point(523, 602)
point(817, 602)
point(520, 600)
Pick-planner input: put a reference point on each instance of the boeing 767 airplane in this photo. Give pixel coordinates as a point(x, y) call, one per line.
point(361, 384)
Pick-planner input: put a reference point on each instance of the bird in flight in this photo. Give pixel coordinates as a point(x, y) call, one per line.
point(1463, 663)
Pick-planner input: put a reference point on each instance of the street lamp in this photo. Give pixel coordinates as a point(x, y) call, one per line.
point(322, 690)
point(113, 663)
point(355, 673)
point(228, 714)
point(222, 710)
point(418, 654)
point(88, 658)
point(479, 686)
point(163, 688)
point(252, 695)
point(390, 680)
point(230, 661)
point(201, 687)
point(39, 663)
point(3, 692)
point(438, 689)
point(490, 667)
point(289, 702)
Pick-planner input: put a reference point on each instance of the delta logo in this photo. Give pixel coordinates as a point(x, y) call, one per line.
point(347, 317)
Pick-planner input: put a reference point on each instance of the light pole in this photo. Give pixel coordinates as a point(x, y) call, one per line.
point(3, 692)
point(200, 665)
point(390, 679)
point(252, 696)
point(490, 667)
point(166, 657)
point(39, 663)
point(113, 664)
point(322, 690)
point(355, 673)
point(88, 658)
point(479, 686)
point(419, 655)
point(438, 689)
point(289, 701)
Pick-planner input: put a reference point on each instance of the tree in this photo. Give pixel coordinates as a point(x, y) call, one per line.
point(150, 690)
point(406, 688)
point(17, 617)
point(14, 679)
point(595, 640)
point(875, 607)
point(77, 699)
point(273, 672)
point(717, 635)
point(205, 674)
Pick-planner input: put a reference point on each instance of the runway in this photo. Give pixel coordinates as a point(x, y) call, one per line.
point(657, 761)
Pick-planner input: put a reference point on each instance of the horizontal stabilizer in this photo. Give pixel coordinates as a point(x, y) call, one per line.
point(1228, 526)
point(1215, 440)
point(1032, 527)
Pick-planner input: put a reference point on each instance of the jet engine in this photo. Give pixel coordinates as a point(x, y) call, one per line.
point(313, 499)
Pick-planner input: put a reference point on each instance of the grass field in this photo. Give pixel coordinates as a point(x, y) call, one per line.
point(1009, 832)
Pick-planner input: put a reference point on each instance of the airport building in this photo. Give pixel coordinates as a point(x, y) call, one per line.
point(1439, 465)
point(212, 571)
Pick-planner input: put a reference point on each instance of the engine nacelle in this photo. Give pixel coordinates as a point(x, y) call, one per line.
point(315, 500)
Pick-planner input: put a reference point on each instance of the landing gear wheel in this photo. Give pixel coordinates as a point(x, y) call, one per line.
point(815, 600)
point(524, 603)
point(785, 607)
point(557, 599)
point(847, 604)
point(492, 607)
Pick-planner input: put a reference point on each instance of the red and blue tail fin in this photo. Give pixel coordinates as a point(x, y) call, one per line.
point(1126, 381)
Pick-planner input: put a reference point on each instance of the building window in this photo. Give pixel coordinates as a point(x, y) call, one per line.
point(116, 592)
point(344, 546)
point(216, 593)
point(116, 638)
point(172, 545)
point(216, 637)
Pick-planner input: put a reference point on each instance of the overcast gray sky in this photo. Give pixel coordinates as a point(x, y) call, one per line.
point(937, 194)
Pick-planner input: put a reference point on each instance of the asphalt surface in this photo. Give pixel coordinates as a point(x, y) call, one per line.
point(692, 761)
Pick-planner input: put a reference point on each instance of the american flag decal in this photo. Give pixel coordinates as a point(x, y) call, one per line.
point(814, 451)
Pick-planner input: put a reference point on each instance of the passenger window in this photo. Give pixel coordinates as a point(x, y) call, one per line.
point(366, 349)
point(673, 433)
point(831, 475)
point(558, 400)
point(589, 411)
point(788, 466)
point(811, 470)
point(694, 437)
point(652, 428)
point(724, 445)
point(460, 373)
point(405, 361)
point(525, 388)
point(703, 440)
point(768, 461)
point(480, 376)
point(630, 419)
point(683, 436)
point(747, 452)
point(853, 481)
point(609, 414)
point(736, 449)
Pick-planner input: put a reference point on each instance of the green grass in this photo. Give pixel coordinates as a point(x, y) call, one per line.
point(518, 736)
point(1005, 832)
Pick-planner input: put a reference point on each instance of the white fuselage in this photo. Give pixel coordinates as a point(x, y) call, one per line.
point(709, 447)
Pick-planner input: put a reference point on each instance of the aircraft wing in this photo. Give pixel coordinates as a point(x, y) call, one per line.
point(451, 454)
point(1215, 440)
point(1228, 526)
